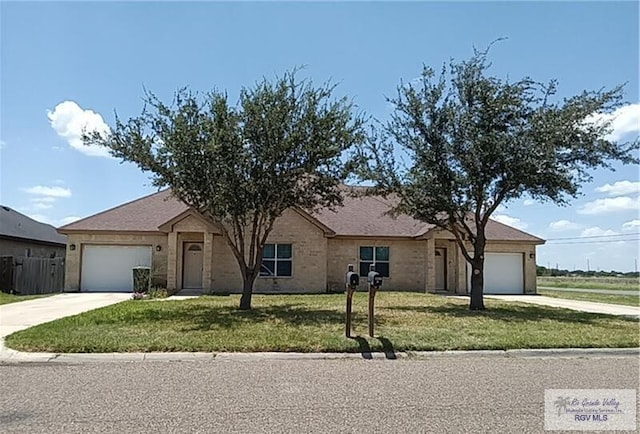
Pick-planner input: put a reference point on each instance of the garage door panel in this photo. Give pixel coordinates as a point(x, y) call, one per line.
point(108, 268)
point(503, 273)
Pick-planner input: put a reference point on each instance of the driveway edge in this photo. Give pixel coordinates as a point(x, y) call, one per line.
point(9, 356)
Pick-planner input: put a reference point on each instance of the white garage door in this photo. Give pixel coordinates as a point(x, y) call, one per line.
point(503, 273)
point(108, 268)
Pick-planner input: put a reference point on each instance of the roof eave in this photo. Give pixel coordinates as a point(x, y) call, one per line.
point(33, 240)
point(109, 231)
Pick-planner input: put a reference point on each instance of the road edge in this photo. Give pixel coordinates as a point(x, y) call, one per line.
point(9, 356)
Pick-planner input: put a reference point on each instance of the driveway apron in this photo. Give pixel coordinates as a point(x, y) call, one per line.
point(583, 306)
point(25, 314)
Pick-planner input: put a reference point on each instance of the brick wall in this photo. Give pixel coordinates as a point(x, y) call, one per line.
point(407, 262)
point(74, 257)
point(37, 250)
point(318, 263)
point(309, 259)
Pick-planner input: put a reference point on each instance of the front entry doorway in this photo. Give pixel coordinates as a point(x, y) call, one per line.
point(192, 266)
point(441, 270)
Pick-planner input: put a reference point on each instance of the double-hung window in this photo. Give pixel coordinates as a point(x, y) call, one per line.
point(277, 260)
point(377, 255)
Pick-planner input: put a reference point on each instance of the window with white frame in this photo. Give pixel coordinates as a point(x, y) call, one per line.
point(277, 260)
point(377, 255)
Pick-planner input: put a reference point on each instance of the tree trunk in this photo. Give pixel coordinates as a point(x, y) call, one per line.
point(477, 273)
point(477, 284)
point(247, 291)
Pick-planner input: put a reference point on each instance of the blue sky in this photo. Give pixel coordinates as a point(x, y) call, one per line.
point(68, 65)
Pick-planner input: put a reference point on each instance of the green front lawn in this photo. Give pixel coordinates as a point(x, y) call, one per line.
point(611, 283)
point(13, 298)
point(628, 300)
point(307, 323)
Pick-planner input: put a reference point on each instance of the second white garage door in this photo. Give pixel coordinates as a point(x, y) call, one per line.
point(503, 273)
point(108, 268)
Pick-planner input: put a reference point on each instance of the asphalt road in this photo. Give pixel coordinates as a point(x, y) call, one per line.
point(440, 394)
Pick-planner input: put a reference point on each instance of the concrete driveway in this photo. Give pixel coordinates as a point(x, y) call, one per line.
point(583, 306)
point(593, 291)
point(25, 314)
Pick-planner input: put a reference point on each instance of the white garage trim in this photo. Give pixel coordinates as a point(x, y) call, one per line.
point(109, 268)
point(503, 273)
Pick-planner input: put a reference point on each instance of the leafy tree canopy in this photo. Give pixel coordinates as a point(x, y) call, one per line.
point(461, 142)
point(243, 165)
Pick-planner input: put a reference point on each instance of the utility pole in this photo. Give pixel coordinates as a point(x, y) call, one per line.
point(588, 269)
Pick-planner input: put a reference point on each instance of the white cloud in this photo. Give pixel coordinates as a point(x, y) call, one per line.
point(610, 205)
point(51, 221)
point(564, 225)
point(45, 199)
point(42, 205)
point(67, 220)
point(54, 192)
point(3, 144)
point(624, 121)
point(631, 225)
point(528, 202)
point(620, 188)
point(596, 231)
point(70, 121)
point(510, 221)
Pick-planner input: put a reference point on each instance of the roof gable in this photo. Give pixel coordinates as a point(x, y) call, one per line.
point(189, 217)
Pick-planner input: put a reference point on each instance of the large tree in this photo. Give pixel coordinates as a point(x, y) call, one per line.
point(242, 166)
point(462, 142)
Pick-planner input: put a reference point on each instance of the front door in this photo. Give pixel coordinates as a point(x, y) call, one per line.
point(192, 266)
point(441, 270)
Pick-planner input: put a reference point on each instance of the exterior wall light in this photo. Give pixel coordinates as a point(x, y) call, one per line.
point(158, 248)
point(532, 255)
point(72, 246)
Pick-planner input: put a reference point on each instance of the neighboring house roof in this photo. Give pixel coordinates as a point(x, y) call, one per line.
point(18, 226)
point(361, 216)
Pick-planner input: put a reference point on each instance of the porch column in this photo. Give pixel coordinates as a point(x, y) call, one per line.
point(430, 280)
point(172, 260)
point(206, 258)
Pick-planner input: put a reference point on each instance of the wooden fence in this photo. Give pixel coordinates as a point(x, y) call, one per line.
point(23, 275)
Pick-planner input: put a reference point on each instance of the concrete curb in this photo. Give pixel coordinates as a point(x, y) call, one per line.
point(8, 355)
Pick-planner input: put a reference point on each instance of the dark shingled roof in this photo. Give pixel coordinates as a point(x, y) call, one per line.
point(16, 225)
point(359, 216)
point(366, 216)
point(141, 215)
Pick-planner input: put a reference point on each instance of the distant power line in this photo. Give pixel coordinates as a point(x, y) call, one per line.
point(632, 234)
point(594, 242)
